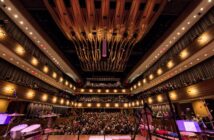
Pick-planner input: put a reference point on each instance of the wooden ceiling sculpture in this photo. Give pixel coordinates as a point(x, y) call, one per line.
point(104, 31)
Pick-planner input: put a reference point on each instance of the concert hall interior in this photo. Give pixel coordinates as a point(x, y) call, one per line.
point(106, 69)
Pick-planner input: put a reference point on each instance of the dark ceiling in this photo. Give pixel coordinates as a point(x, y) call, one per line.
point(172, 10)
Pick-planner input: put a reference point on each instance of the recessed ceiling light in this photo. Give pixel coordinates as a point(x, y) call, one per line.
point(205, 55)
point(30, 33)
point(198, 59)
point(209, 0)
point(2, 0)
point(9, 8)
point(201, 9)
point(16, 16)
point(194, 16)
point(178, 33)
point(183, 28)
point(21, 22)
point(170, 64)
point(184, 54)
point(188, 22)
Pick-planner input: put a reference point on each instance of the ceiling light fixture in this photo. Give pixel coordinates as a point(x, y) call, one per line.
point(159, 71)
point(170, 64)
point(19, 50)
point(184, 54)
point(34, 61)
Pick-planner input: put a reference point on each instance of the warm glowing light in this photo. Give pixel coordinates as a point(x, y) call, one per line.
point(2, 34)
point(90, 90)
point(125, 104)
point(9, 89)
point(159, 98)
point(34, 61)
point(137, 103)
point(82, 90)
point(203, 39)
point(107, 90)
point(151, 76)
point(67, 102)
point(66, 83)
point(115, 90)
point(184, 54)
point(54, 75)
point(79, 104)
point(89, 105)
point(107, 104)
point(135, 86)
point(21, 22)
point(139, 83)
point(19, 50)
point(62, 101)
point(54, 99)
point(123, 90)
point(30, 94)
point(90, 35)
point(142, 102)
point(98, 105)
point(9, 8)
point(173, 95)
point(150, 100)
point(74, 88)
point(99, 90)
point(133, 104)
point(70, 85)
point(170, 64)
point(159, 71)
point(16, 16)
point(45, 69)
point(116, 105)
point(60, 79)
point(131, 88)
point(192, 91)
point(44, 97)
point(144, 80)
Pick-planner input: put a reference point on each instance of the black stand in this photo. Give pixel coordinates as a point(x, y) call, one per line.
point(147, 121)
point(173, 115)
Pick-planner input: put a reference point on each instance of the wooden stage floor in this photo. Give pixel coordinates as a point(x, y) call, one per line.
point(93, 137)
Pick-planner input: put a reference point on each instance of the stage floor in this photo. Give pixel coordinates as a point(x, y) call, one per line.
point(93, 137)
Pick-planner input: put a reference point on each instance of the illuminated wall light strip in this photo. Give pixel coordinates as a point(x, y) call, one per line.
point(26, 27)
point(178, 33)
